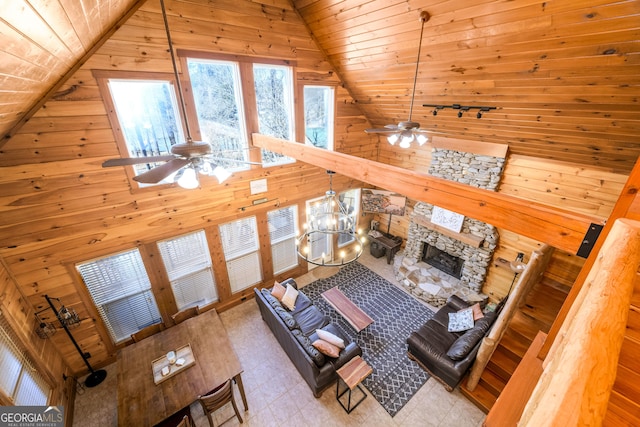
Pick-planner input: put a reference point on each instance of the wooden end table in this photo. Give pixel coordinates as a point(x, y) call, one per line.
point(391, 245)
point(352, 374)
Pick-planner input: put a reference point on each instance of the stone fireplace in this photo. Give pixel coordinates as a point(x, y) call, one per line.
point(447, 263)
point(437, 262)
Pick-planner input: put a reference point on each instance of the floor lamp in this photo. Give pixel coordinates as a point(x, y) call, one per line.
point(69, 318)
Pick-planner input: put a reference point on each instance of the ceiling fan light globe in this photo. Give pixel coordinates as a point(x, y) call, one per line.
point(407, 139)
point(221, 174)
point(393, 138)
point(422, 139)
point(205, 168)
point(189, 179)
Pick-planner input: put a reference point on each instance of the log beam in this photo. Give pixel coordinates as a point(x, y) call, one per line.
point(556, 227)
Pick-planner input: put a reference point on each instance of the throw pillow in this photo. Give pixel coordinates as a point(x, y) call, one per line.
point(461, 320)
point(463, 345)
point(330, 338)
point(477, 311)
point(326, 348)
point(278, 290)
point(467, 341)
point(289, 298)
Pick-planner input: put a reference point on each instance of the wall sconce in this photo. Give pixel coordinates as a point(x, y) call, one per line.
point(68, 318)
point(517, 266)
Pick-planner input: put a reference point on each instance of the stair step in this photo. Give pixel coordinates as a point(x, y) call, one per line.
point(502, 365)
point(515, 343)
point(492, 383)
point(481, 397)
point(526, 325)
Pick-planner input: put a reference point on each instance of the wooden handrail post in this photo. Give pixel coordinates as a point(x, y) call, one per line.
point(581, 367)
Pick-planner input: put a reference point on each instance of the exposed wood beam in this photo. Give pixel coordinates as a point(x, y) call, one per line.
point(559, 228)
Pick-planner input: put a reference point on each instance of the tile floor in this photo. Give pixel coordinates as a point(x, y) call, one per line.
point(278, 396)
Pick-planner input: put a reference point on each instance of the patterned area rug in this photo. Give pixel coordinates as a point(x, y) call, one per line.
point(395, 378)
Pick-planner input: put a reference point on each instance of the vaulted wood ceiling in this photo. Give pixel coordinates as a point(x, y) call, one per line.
point(565, 77)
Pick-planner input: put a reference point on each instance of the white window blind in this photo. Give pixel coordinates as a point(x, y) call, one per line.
point(188, 264)
point(20, 382)
point(121, 291)
point(282, 232)
point(241, 246)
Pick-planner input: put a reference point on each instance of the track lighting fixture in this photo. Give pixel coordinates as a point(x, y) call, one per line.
point(461, 109)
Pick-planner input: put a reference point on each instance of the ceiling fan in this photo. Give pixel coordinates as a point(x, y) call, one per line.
point(409, 131)
point(186, 158)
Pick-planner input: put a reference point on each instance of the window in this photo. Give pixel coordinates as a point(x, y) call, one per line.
point(282, 232)
point(319, 104)
point(148, 118)
point(20, 382)
point(217, 93)
point(188, 264)
point(350, 201)
point(273, 86)
point(241, 252)
point(121, 291)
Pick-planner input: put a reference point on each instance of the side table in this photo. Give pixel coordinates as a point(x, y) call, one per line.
point(352, 374)
point(391, 244)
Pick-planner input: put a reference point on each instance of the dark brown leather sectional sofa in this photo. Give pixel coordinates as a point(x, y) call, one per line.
point(448, 355)
point(295, 331)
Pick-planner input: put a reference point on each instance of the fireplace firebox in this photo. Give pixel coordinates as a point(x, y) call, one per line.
point(443, 261)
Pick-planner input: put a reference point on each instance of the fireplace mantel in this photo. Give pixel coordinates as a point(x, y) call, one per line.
point(468, 238)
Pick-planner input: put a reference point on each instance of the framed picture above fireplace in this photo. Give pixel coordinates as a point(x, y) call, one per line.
point(447, 219)
point(383, 202)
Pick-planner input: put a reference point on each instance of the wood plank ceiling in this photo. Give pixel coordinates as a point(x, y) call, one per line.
point(564, 75)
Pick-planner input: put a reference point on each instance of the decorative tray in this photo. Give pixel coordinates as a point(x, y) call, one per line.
point(184, 360)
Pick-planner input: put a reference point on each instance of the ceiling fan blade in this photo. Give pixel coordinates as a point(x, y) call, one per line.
point(159, 173)
point(385, 130)
point(224, 159)
point(136, 160)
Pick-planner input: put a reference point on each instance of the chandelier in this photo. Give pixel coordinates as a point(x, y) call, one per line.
point(330, 226)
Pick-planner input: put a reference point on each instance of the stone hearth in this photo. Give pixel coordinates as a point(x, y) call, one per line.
point(430, 284)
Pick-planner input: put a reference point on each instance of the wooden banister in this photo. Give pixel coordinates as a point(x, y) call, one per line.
point(580, 369)
point(536, 267)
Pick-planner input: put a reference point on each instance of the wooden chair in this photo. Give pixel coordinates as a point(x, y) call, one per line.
point(216, 399)
point(147, 332)
point(185, 314)
point(186, 422)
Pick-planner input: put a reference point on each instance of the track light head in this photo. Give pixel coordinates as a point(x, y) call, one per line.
point(479, 115)
point(435, 112)
point(459, 113)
